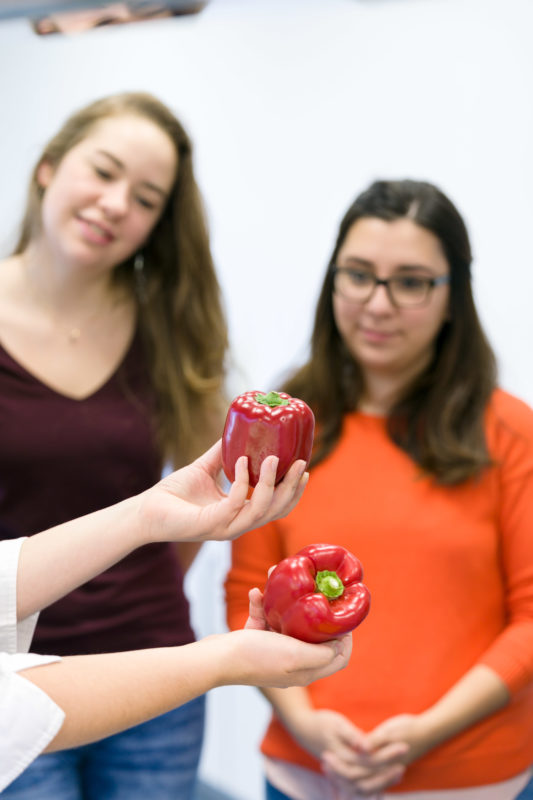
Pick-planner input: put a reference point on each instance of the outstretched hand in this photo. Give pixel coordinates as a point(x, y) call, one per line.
point(257, 656)
point(190, 505)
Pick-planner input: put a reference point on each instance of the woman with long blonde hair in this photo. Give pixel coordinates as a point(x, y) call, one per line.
point(112, 355)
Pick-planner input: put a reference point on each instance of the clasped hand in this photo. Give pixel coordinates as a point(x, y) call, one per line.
point(360, 764)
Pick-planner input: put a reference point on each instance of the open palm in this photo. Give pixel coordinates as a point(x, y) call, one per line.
point(190, 505)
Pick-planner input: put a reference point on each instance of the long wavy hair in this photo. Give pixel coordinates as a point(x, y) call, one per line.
point(439, 420)
point(179, 304)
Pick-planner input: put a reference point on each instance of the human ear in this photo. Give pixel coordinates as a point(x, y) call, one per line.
point(44, 174)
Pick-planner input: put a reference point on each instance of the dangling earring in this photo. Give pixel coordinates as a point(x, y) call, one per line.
point(140, 275)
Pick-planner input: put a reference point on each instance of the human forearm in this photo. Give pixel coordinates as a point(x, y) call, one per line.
point(404, 738)
point(479, 693)
point(316, 730)
point(58, 560)
point(289, 704)
point(105, 693)
point(294, 708)
point(187, 506)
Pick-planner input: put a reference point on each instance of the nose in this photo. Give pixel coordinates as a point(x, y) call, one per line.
point(379, 301)
point(114, 200)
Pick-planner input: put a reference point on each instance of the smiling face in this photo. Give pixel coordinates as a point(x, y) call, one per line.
point(382, 338)
point(106, 195)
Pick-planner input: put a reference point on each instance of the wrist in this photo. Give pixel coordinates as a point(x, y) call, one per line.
point(130, 522)
point(145, 518)
point(433, 728)
point(227, 663)
point(293, 707)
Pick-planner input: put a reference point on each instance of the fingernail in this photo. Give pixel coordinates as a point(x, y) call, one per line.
point(337, 647)
point(301, 468)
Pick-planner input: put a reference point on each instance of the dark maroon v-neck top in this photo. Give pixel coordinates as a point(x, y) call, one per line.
point(62, 458)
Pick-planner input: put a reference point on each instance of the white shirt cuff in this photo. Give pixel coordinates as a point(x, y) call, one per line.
point(14, 638)
point(29, 718)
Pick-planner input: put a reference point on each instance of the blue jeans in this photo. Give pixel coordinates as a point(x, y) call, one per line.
point(157, 760)
point(527, 792)
point(274, 794)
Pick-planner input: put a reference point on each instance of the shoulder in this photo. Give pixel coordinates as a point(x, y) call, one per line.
point(509, 427)
point(507, 411)
point(11, 295)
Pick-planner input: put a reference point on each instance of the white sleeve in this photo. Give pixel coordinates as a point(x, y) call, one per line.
point(14, 638)
point(29, 719)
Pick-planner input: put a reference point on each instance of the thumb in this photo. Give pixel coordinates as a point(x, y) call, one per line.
point(211, 460)
point(256, 619)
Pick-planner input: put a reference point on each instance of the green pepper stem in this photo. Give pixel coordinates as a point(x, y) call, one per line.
point(271, 399)
point(329, 583)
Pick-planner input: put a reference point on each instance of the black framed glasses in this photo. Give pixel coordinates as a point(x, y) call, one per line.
point(404, 291)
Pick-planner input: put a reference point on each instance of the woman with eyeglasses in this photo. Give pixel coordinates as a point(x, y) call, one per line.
point(423, 468)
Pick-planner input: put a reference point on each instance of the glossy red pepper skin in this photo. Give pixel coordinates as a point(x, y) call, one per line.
point(257, 429)
point(293, 604)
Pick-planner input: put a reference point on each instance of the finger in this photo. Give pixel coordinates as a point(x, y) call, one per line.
point(353, 769)
point(342, 650)
point(389, 753)
point(267, 477)
point(227, 518)
point(388, 776)
point(287, 504)
point(299, 663)
point(336, 654)
point(276, 501)
point(256, 619)
point(238, 492)
point(242, 514)
point(354, 739)
point(290, 490)
point(345, 756)
point(341, 789)
point(255, 597)
point(261, 499)
point(344, 645)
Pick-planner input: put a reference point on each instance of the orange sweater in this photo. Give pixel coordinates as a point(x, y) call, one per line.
point(450, 571)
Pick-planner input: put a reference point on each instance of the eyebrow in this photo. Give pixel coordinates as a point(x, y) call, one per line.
point(363, 262)
point(121, 165)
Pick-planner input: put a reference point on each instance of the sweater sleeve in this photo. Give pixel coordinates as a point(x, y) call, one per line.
point(251, 557)
point(511, 654)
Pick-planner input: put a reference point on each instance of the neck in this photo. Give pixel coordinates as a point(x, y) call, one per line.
point(73, 305)
point(378, 397)
point(382, 390)
point(60, 288)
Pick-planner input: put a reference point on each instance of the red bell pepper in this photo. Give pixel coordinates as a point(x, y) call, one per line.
point(316, 594)
point(260, 425)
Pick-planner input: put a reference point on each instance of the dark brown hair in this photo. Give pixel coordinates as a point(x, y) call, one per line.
point(439, 421)
point(180, 310)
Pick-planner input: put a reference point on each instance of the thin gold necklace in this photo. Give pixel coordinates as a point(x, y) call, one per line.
point(72, 334)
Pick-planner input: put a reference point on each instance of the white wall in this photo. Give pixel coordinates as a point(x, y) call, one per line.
point(294, 106)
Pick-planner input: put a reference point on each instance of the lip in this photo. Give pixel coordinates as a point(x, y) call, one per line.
point(376, 336)
point(95, 231)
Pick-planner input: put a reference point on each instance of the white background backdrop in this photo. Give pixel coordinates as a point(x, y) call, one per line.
point(294, 106)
